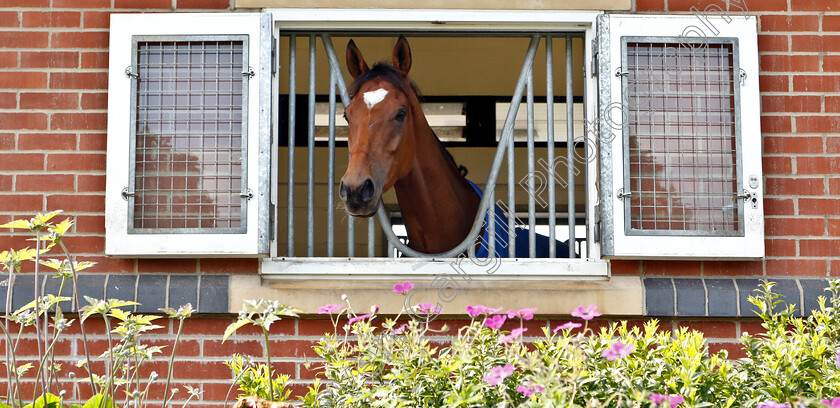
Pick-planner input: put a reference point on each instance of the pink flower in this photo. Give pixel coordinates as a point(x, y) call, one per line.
point(494, 322)
point(618, 350)
point(497, 374)
point(529, 389)
point(329, 308)
point(586, 314)
point(358, 318)
point(834, 403)
point(476, 310)
point(772, 404)
point(567, 325)
point(514, 334)
point(672, 400)
point(427, 308)
point(525, 314)
point(400, 329)
point(403, 288)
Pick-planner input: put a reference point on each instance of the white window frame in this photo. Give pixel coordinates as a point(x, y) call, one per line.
point(616, 242)
point(337, 20)
point(255, 240)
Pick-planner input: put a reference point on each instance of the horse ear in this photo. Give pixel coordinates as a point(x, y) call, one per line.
point(402, 56)
point(355, 61)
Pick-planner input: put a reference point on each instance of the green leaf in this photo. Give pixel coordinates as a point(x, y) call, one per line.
point(97, 402)
point(233, 327)
point(50, 401)
point(119, 314)
point(16, 224)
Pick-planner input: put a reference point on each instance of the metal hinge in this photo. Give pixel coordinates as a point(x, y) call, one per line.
point(595, 64)
point(249, 73)
point(125, 193)
point(129, 73)
point(247, 193)
point(274, 62)
point(620, 194)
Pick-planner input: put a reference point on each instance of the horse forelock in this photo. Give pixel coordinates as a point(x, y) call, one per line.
point(384, 71)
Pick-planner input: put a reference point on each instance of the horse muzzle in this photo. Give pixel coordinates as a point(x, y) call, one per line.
point(361, 200)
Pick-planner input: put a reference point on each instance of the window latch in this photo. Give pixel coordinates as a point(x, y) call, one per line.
point(126, 193)
point(247, 193)
point(129, 73)
point(743, 76)
point(620, 194)
point(249, 73)
point(620, 73)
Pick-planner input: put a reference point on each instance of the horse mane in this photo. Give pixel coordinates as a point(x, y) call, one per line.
point(386, 71)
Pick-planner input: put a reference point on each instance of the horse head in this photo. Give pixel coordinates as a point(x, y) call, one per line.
point(381, 116)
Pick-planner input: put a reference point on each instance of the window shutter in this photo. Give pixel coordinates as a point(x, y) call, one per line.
point(680, 137)
point(189, 135)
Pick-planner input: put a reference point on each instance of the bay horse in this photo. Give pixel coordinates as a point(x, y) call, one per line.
point(392, 145)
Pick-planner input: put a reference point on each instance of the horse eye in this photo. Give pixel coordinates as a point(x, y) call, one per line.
point(401, 114)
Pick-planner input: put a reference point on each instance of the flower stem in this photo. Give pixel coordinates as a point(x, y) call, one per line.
point(268, 359)
point(10, 285)
point(38, 332)
point(79, 310)
point(166, 392)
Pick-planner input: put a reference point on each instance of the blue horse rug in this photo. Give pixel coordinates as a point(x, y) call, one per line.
point(520, 239)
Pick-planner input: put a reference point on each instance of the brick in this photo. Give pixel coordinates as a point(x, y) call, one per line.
point(776, 165)
point(810, 83)
point(792, 144)
point(234, 345)
point(722, 297)
point(44, 182)
point(796, 267)
point(713, 329)
point(5, 185)
point(814, 5)
point(8, 100)
point(85, 245)
point(143, 4)
point(47, 141)
point(49, 100)
point(21, 202)
point(197, 369)
point(294, 348)
point(203, 4)
point(819, 247)
point(81, 3)
point(92, 141)
point(830, 23)
point(833, 227)
point(23, 80)
point(52, 19)
point(94, 60)
point(818, 124)
point(781, 103)
point(318, 327)
point(659, 297)
point(9, 59)
point(812, 289)
point(91, 223)
point(76, 161)
point(671, 268)
point(49, 59)
point(831, 63)
point(772, 22)
point(95, 101)
point(97, 19)
point(818, 165)
point(624, 267)
point(733, 351)
point(779, 247)
point(834, 186)
point(21, 161)
point(832, 145)
point(183, 289)
point(764, 5)
point(87, 39)
point(77, 203)
point(79, 80)
point(166, 265)
point(90, 183)
point(7, 141)
point(9, 19)
point(819, 206)
point(775, 124)
point(795, 186)
point(24, 3)
point(773, 43)
point(779, 227)
point(24, 39)
point(785, 287)
point(692, 5)
point(794, 63)
point(151, 290)
point(228, 266)
point(213, 294)
point(79, 121)
point(732, 268)
point(815, 43)
point(691, 297)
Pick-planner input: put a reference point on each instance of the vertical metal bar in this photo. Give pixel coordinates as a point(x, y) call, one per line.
point(570, 144)
point(310, 187)
point(511, 162)
point(371, 237)
point(585, 161)
point(532, 219)
point(549, 104)
point(391, 249)
point(491, 226)
point(331, 173)
point(290, 233)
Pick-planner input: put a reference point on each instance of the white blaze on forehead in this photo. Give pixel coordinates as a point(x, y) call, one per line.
point(374, 97)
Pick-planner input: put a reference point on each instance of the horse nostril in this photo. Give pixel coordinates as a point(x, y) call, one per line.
point(342, 191)
point(366, 190)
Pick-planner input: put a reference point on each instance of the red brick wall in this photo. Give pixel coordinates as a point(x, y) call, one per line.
point(53, 98)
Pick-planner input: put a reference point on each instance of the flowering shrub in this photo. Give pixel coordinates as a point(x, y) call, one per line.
point(373, 362)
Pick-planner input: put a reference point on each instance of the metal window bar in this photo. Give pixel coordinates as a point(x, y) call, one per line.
point(310, 182)
point(570, 141)
point(532, 219)
point(331, 172)
point(290, 233)
point(525, 80)
point(549, 104)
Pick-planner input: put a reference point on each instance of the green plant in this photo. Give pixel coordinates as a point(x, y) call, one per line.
point(255, 379)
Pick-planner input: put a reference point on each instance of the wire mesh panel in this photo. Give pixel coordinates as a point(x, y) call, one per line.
point(681, 138)
point(189, 134)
